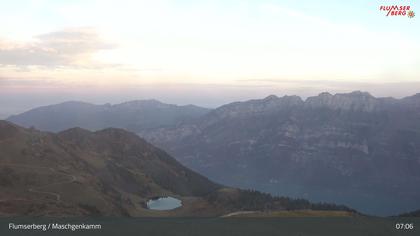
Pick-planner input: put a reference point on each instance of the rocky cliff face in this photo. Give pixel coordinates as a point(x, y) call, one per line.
point(358, 101)
point(351, 148)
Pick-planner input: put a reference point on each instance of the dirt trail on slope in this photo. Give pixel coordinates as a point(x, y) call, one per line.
point(38, 189)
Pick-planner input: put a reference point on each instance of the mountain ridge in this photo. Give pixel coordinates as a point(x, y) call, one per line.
point(40, 117)
point(134, 115)
point(356, 100)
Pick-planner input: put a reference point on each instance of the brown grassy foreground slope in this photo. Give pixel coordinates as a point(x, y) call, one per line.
point(110, 172)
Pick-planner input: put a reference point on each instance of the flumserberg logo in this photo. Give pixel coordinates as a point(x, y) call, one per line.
point(397, 10)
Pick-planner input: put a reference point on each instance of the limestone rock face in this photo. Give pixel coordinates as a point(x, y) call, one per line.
point(352, 148)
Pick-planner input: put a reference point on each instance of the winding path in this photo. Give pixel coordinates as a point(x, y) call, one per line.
point(34, 189)
point(236, 213)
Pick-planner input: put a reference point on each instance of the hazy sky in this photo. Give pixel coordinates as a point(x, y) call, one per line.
point(202, 52)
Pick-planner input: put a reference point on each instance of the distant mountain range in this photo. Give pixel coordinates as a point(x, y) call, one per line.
point(110, 172)
point(411, 214)
point(134, 115)
point(349, 148)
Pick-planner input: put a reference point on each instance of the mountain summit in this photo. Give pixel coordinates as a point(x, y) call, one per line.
point(357, 100)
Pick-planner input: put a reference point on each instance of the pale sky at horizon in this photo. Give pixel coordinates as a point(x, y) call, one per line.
point(202, 52)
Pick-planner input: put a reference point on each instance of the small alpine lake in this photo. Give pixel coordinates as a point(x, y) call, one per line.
point(163, 203)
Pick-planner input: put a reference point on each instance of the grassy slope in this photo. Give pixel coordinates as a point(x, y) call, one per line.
point(110, 172)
